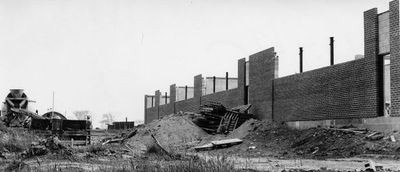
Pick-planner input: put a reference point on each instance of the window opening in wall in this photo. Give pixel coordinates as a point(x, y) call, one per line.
point(386, 84)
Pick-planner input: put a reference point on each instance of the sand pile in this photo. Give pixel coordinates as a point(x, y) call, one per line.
point(172, 132)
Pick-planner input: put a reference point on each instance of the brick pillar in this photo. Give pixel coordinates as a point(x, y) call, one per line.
point(198, 89)
point(261, 74)
point(242, 79)
point(394, 58)
point(157, 102)
point(198, 86)
point(172, 97)
point(372, 58)
point(371, 33)
point(145, 109)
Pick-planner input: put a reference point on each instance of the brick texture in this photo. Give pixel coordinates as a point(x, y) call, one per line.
point(151, 114)
point(229, 98)
point(241, 80)
point(394, 58)
point(335, 92)
point(261, 74)
point(164, 110)
point(350, 90)
point(189, 105)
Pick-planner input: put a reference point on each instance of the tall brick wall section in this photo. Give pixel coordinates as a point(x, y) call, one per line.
point(335, 92)
point(198, 85)
point(394, 57)
point(229, 98)
point(371, 41)
point(157, 96)
point(241, 80)
point(172, 93)
point(261, 74)
point(145, 109)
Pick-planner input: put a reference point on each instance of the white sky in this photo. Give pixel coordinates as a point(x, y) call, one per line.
point(105, 55)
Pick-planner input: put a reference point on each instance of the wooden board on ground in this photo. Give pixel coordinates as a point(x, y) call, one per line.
point(219, 144)
point(229, 142)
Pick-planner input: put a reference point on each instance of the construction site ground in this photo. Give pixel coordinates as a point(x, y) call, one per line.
point(170, 142)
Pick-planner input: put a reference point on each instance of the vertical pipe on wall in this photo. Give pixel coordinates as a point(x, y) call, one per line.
point(332, 50)
point(214, 84)
point(186, 92)
point(301, 59)
point(226, 80)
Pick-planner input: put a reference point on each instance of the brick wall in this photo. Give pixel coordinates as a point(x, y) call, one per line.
point(151, 114)
point(164, 110)
point(340, 91)
point(229, 98)
point(348, 90)
point(241, 80)
point(189, 105)
point(261, 74)
point(394, 58)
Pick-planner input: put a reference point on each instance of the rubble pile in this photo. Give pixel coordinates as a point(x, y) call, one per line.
point(171, 132)
point(215, 118)
point(50, 145)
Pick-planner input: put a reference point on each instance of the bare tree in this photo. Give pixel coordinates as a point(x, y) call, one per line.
point(82, 114)
point(107, 120)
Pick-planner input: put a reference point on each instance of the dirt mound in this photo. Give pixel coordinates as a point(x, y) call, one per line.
point(247, 127)
point(263, 138)
point(322, 143)
point(172, 132)
point(319, 142)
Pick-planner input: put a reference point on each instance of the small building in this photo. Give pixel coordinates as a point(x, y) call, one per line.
point(121, 125)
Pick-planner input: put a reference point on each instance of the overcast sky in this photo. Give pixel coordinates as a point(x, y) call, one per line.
point(105, 55)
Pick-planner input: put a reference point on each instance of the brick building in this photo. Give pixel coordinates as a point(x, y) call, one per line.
point(358, 92)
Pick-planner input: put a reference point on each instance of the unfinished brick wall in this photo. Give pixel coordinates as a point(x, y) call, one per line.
point(230, 98)
point(189, 105)
point(164, 110)
point(261, 73)
point(335, 92)
point(394, 58)
point(151, 114)
point(348, 90)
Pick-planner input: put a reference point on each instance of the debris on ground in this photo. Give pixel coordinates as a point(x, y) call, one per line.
point(375, 136)
point(215, 118)
point(50, 145)
point(218, 144)
point(120, 139)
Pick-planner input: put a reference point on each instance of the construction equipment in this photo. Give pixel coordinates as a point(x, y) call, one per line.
point(16, 113)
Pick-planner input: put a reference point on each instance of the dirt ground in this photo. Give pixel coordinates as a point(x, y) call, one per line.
point(266, 147)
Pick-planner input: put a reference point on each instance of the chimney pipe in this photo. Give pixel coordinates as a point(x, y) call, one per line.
point(301, 59)
point(226, 84)
point(332, 50)
point(186, 92)
point(214, 84)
